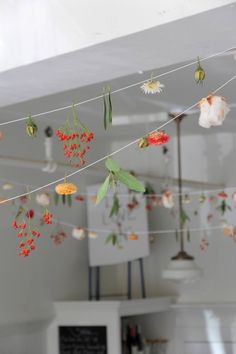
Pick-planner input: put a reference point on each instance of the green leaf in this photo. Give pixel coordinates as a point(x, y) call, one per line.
point(188, 235)
point(103, 190)
point(56, 198)
point(114, 239)
point(112, 165)
point(63, 199)
point(110, 108)
point(69, 200)
point(104, 113)
point(115, 206)
point(109, 238)
point(130, 181)
point(184, 217)
point(19, 211)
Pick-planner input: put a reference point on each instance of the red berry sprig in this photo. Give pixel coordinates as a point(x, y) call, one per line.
point(28, 233)
point(76, 139)
point(47, 217)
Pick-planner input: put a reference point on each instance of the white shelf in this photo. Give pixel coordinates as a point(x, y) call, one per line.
point(144, 306)
point(124, 308)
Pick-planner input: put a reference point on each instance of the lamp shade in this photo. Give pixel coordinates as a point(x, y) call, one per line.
point(182, 270)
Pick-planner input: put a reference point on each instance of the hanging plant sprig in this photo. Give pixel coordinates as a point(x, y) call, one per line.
point(107, 108)
point(76, 138)
point(199, 74)
point(31, 127)
point(118, 175)
point(26, 230)
point(65, 190)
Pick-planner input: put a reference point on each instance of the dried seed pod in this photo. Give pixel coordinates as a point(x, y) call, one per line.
point(31, 127)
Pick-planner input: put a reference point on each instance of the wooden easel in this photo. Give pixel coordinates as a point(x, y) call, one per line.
point(129, 281)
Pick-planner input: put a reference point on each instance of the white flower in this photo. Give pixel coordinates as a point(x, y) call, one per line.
point(234, 196)
point(78, 233)
point(43, 199)
point(213, 111)
point(7, 186)
point(152, 86)
point(167, 199)
point(92, 235)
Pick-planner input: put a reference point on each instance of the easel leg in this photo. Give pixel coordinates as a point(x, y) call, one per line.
point(97, 283)
point(90, 283)
point(129, 281)
point(143, 289)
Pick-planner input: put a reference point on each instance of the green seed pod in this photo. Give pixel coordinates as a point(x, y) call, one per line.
point(143, 143)
point(31, 127)
point(199, 74)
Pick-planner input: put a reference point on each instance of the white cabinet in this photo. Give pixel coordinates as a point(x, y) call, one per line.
point(101, 313)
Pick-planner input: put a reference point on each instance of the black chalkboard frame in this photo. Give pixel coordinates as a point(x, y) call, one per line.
point(82, 339)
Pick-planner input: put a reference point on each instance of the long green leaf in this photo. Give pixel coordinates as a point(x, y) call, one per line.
point(56, 198)
point(110, 107)
point(130, 181)
point(112, 165)
point(104, 113)
point(115, 206)
point(109, 238)
point(114, 239)
point(69, 200)
point(103, 190)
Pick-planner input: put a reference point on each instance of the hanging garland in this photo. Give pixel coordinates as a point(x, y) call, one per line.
point(76, 140)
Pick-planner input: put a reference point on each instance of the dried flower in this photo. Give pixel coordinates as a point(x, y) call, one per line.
point(58, 235)
point(202, 198)
point(167, 199)
point(143, 143)
point(203, 244)
point(228, 230)
point(186, 199)
point(213, 111)
point(132, 237)
point(31, 127)
point(234, 196)
point(66, 188)
point(199, 74)
point(158, 137)
point(152, 86)
point(92, 235)
point(79, 198)
point(222, 195)
point(78, 233)
point(93, 199)
point(7, 186)
point(43, 199)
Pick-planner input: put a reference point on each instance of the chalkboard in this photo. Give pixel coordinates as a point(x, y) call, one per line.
point(82, 340)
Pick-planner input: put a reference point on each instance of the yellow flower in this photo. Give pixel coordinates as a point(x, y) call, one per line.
point(66, 188)
point(152, 86)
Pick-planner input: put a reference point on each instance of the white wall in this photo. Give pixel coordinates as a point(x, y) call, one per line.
point(213, 157)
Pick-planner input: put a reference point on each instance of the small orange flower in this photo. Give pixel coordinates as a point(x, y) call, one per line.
point(94, 199)
point(132, 237)
point(66, 188)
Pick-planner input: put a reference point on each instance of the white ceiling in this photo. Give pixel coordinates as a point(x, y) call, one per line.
point(81, 75)
point(158, 47)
